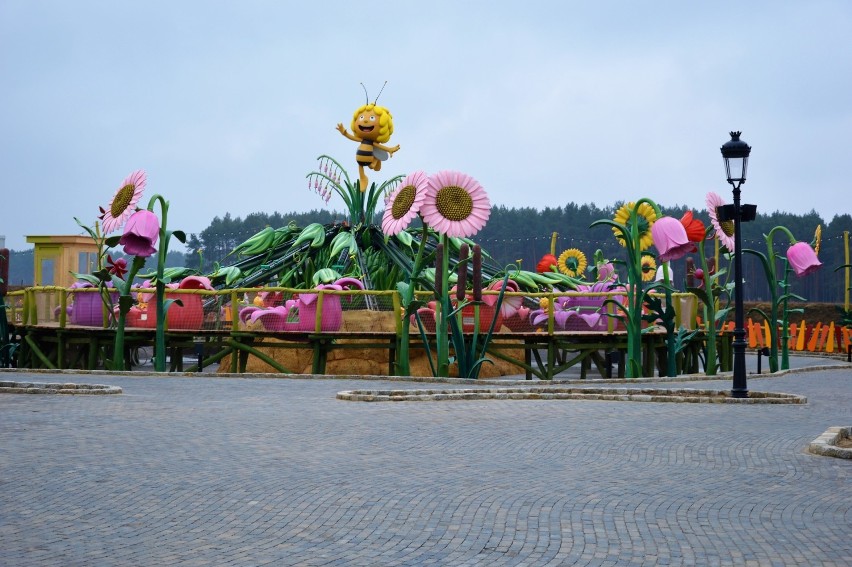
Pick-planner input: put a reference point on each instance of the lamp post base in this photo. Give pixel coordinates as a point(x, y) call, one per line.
point(739, 387)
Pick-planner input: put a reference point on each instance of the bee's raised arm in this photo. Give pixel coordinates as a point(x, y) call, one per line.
point(342, 129)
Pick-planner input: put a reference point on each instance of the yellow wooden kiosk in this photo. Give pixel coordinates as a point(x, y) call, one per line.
point(57, 256)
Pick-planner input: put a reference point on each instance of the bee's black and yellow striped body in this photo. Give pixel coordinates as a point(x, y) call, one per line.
point(364, 156)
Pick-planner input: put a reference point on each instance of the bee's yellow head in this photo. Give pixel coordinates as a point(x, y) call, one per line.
point(372, 122)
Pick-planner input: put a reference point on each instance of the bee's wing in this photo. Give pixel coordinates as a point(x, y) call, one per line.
point(380, 155)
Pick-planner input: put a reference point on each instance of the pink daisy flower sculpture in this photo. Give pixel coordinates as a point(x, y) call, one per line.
point(724, 229)
point(456, 204)
point(404, 203)
point(123, 203)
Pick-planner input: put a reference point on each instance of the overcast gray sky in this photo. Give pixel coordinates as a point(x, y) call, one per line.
point(226, 105)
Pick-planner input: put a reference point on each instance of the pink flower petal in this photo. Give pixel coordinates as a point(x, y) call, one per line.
point(670, 239)
point(591, 319)
point(195, 282)
point(803, 259)
point(538, 316)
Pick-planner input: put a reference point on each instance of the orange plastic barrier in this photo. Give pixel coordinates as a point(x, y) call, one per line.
point(812, 343)
point(761, 341)
point(800, 340)
point(823, 334)
point(829, 338)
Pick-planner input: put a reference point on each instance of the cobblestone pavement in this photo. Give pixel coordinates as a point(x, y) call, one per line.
point(228, 471)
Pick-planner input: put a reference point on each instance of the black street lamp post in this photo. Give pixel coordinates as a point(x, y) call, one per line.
point(736, 152)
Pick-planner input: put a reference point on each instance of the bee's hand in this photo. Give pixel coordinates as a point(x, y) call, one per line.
point(341, 129)
point(394, 149)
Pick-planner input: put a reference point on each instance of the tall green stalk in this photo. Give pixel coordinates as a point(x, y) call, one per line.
point(442, 347)
point(785, 319)
point(160, 333)
point(632, 313)
point(768, 261)
point(125, 302)
point(712, 363)
point(709, 295)
point(671, 346)
point(406, 291)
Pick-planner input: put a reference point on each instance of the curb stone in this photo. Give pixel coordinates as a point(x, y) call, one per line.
point(57, 388)
point(826, 444)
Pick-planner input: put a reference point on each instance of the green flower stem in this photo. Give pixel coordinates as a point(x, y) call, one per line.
point(551, 315)
point(671, 350)
point(769, 269)
point(632, 317)
point(709, 315)
point(784, 306)
point(785, 321)
point(635, 295)
point(441, 335)
point(357, 212)
point(160, 336)
point(125, 302)
point(634, 277)
point(404, 364)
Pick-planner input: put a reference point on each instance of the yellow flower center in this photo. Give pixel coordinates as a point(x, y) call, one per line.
point(404, 200)
point(122, 200)
point(543, 303)
point(454, 203)
point(727, 227)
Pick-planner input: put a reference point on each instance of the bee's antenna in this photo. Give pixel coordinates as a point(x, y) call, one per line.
point(365, 93)
point(380, 93)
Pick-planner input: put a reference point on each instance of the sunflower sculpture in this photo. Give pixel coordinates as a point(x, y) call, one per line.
point(649, 269)
point(643, 216)
point(572, 262)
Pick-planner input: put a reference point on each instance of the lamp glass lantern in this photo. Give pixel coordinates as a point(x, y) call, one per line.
point(736, 152)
